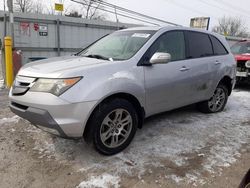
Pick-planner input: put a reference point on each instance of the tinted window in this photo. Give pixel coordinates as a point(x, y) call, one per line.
point(199, 45)
point(219, 49)
point(171, 42)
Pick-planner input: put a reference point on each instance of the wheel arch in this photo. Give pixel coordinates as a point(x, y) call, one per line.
point(227, 81)
point(129, 97)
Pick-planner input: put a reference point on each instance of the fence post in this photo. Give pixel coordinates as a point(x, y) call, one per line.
point(8, 61)
point(58, 37)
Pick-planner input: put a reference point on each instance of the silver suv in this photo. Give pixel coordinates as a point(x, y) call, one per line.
point(104, 92)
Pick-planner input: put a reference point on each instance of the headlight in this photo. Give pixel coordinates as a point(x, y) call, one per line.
point(54, 86)
point(248, 64)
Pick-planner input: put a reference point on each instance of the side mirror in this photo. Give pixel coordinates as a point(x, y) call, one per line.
point(160, 58)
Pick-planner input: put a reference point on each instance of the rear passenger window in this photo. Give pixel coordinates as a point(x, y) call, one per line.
point(219, 49)
point(199, 45)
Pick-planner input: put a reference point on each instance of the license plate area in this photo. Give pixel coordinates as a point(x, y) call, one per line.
point(241, 74)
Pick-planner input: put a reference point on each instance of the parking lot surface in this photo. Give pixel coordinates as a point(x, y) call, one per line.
point(181, 148)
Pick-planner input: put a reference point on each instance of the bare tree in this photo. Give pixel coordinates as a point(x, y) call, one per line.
point(91, 8)
point(29, 6)
point(23, 5)
point(38, 7)
point(50, 9)
point(231, 26)
point(74, 14)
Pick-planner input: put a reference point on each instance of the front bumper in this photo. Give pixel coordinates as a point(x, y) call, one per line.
point(40, 118)
point(51, 113)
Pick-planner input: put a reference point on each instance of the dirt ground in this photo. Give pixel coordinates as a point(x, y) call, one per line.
point(181, 148)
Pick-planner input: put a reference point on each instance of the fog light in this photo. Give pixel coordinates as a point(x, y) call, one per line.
point(248, 64)
point(49, 130)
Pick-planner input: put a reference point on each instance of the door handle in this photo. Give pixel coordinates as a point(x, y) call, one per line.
point(184, 68)
point(217, 63)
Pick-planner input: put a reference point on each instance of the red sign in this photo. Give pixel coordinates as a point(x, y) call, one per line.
point(36, 26)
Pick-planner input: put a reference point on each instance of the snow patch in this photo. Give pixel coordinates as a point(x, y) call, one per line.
point(177, 179)
point(180, 161)
point(45, 148)
point(13, 119)
point(102, 181)
point(1, 84)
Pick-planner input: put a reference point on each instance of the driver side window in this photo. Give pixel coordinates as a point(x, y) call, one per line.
point(171, 42)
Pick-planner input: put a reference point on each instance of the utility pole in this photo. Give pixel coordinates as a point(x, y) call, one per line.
point(11, 19)
point(61, 2)
point(117, 21)
point(4, 5)
point(5, 19)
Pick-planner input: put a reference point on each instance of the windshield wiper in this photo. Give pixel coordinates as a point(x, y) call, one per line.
point(97, 56)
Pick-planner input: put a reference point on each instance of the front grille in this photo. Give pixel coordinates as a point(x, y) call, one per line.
point(22, 84)
point(241, 66)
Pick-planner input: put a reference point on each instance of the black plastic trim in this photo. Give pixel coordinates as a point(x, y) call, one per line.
point(39, 117)
point(19, 90)
point(19, 106)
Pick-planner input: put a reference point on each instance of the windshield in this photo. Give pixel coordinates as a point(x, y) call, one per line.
point(241, 48)
point(118, 46)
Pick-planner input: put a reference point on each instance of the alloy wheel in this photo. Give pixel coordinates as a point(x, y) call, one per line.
point(116, 128)
point(218, 100)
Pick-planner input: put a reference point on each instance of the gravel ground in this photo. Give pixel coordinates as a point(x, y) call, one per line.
point(181, 148)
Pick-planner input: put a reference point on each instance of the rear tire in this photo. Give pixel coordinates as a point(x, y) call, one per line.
point(114, 125)
point(217, 102)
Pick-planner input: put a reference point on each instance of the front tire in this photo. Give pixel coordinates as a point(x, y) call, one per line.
point(217, 102)
point(114, 125)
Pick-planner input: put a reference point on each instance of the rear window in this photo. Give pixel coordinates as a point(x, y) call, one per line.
point(199, 45)
point(219, 49)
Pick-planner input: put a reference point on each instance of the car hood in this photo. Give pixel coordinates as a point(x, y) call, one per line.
point(242, 57)
point(55, 67)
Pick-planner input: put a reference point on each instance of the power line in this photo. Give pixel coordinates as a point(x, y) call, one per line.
point(133, 12)
point(233, 6)
point(190, 9)
point(219, 7)
point(113, 12)
point(126, 12)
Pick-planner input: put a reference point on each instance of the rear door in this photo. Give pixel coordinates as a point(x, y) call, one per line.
point(220, 58)
point(200, 58)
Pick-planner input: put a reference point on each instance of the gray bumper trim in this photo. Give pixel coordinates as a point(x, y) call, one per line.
point(38, 117)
